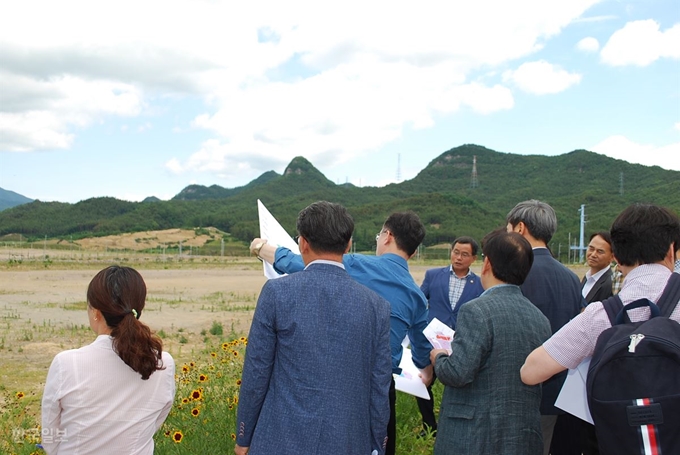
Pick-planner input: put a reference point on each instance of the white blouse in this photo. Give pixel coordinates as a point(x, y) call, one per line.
point(94, 403)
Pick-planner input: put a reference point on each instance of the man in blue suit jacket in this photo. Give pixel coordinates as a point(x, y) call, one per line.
point(447, 289)
point(388, 275)
point(317, 370)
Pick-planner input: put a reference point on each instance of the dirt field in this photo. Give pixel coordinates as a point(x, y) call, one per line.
point(43, 309)
point(43, 312)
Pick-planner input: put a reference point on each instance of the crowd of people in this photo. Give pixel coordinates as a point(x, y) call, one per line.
point(327, 338)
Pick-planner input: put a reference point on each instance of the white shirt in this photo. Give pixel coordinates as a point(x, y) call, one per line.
point(94, 403)
point(591, 280)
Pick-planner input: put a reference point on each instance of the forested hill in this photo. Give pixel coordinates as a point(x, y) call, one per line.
point(442, 194)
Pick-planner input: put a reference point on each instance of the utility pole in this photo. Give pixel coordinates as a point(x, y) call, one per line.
point(581, 246)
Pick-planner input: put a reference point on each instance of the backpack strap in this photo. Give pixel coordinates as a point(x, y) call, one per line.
point(622, 317)
point(671, 295)
point(613, 306)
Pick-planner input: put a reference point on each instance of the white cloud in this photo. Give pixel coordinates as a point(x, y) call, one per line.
point(641, 43)
point(41, 114)
point(174, 166)
point(677, 126)
point(330, 82)
point(588, 44)
point(541, 78)
point(622, 148)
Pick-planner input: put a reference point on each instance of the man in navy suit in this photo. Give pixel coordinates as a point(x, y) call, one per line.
point(552, 287)
point(447, 289)
point(317, 369)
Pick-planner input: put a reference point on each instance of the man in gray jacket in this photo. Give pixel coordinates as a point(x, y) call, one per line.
point(485, 407)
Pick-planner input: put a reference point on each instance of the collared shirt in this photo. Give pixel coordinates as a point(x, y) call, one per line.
point(325, 261)
point(388, 276)
point(591, 280)
point(576, 340)
point(617, 280)
point(677, 266)
point(456, 286)
point(94, 403)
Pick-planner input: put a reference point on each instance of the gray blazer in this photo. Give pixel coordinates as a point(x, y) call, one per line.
point(486, 409)
point(317, 370)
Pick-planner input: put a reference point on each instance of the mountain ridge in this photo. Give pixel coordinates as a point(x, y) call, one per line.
point(441, 193)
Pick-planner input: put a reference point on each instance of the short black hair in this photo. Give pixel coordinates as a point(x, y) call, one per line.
point(407, 229)
point(465, 240)
point(606, 236)
point(510, 255)
point(539, 218)
point(326, 226)
point(642, 234)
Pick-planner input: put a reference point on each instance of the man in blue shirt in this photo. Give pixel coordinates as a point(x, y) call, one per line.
point(388, 275)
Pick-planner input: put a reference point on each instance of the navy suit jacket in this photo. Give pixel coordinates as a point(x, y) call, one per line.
point(601, 290)
point(317, 370)
point(556, 291)
point(436, 288)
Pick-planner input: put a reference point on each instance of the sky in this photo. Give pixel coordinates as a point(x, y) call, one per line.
point(132, 99)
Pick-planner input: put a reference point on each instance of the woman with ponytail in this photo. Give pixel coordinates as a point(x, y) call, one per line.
point(112, 395)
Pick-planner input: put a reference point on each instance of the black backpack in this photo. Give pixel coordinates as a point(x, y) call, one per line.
point(633, 383)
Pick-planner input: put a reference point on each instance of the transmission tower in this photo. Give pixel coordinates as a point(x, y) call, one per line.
point(621, 184)
point(474, 183)
point(398, 167)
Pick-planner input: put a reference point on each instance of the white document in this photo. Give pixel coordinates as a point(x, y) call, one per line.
point(271, 230)
point(439, 334)
point(573, 397)
point(409, 380)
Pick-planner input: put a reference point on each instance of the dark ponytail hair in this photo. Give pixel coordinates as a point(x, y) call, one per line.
point(119, 293)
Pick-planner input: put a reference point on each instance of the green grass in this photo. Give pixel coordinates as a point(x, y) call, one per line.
point(203, 417)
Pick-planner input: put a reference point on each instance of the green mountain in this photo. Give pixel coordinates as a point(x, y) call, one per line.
point(10, 199)
point(445, 195)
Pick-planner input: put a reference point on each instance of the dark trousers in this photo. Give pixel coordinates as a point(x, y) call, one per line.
point(573, 436)
point(392, 425)
point(426, 408)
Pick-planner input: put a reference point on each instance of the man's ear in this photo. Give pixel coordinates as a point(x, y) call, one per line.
point(486, 266)
point(303, 245)
point(349, 246)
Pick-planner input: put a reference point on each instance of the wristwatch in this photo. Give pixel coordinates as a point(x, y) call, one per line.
point(257, 249)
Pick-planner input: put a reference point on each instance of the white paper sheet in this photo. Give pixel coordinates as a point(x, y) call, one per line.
point(409, 380)
point(573, 397)
point(439, 334)
point(276, 235)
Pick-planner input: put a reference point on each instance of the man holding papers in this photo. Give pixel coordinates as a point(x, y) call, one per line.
point(387, 274)
point(317, 368)
point(447, 289)
point(485, 407)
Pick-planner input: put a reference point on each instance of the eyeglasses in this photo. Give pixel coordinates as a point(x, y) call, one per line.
point(297, 239)
point(464, 254)
point(377, 236)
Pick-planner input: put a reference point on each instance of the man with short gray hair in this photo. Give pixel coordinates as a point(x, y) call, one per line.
point(552, 287)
